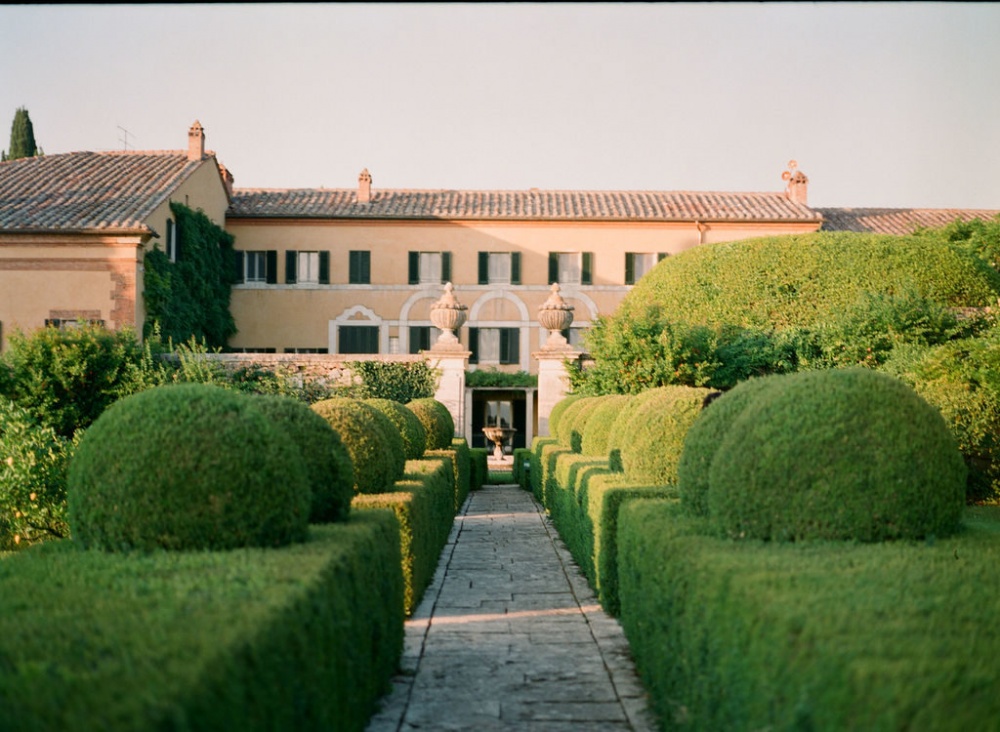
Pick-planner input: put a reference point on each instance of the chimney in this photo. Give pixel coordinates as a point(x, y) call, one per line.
point(196, 141)
point(796, 190)
point(365, 187)
point(227, 179)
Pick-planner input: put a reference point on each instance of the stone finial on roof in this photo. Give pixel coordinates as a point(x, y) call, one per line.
point(365, 187)
point(196, 141)
point(797, 189)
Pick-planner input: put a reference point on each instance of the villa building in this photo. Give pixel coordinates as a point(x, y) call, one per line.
point(356, 270)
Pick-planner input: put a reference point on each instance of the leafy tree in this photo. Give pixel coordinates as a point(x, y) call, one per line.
point(67, 378)
point(22, 137)
point(401, 382)
point(190, 298)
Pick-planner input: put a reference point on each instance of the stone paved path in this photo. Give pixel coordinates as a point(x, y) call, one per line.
point(510, 637)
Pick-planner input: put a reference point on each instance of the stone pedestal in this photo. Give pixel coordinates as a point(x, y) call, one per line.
point(553, 383)
point(451, 386)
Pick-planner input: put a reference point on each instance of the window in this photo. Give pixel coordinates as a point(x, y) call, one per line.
point(571, 268)
point(359, 268)
point(171, 246)
point(429, 268)
point(306, 350)
point(256, 267)
point(499, 268)
point(357, 339)
point(307, 268)
point(499, 414)
point(495, 345)
point(636, 265)
point(422, 337)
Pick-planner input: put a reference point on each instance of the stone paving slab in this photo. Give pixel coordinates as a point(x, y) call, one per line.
point(509, 635)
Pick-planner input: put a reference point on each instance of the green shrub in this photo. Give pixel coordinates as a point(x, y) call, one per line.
point(33, 464)
point(479, 463)
point(558, 409)
point(597, 432)
point(372, 440)
point(574, 419)
point(325, 459)
point(410, 428)
point(437, 422)
point(400, 381)
point(655, 439)
point(758, 635)
point(839, 454)
point(962, 380)
point(622, 429)
point(705, 436)
point(186, 467)
point(67, 378)
point(307, 637)
point(805, 280)
point(458, 456)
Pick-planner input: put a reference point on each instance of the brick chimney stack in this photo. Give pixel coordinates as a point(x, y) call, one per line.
point(797, 190)
point(365, 187)
point(196, 141)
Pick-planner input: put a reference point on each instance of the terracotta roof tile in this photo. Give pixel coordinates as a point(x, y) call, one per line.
point(340, 203)
point(898, 221)
point(88, 191)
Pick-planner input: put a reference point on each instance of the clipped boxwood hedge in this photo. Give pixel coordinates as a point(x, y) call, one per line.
point(655, 435)
point(806, 279)
point(558, 409)
point(306, 637)
point(372, 440)
point(574, 421)
point(325, 459)
point(705, 436)
point(187, 466)
point(410, 428)
point(839, 454)
point(438, 423)
point(597, 432)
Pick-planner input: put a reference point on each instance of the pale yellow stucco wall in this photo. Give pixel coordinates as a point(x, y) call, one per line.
point(283, 316)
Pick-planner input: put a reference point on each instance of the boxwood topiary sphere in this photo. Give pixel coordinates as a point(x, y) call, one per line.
point(841, 454)
point(558, 409)
point(325, 459)
point(704, 438)
point(437, 422)
point(621, 430)
point(655, 435)
point(410, 428)
point(372, 441)
point(574, 419)
point(187, 467)
point(598, 429)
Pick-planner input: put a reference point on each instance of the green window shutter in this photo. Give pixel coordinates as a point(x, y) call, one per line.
point(371, 338)
point(414, 276)
point(484, 268)
point(271, 267)
point(445, 267)
point(237, 273)
point(353, 267)
point(515, 268)
point(510, 345)
point(291, 269)
point(629, 268)
point(553, 267)
point(586, 268)
point(420, 338)
point(324, 268)
point(474, 345)
point(366, 268)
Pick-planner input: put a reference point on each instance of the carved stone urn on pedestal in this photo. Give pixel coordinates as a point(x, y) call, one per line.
point(555, 316)
point(448, 315)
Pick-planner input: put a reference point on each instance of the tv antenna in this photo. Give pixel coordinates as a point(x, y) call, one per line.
point(124, 138)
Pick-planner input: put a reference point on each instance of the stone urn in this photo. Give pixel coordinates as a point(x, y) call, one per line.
point(555, 316)
point(448, 315)
point(499, 436)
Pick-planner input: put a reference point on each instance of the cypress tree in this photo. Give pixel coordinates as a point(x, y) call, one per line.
point(22, 137)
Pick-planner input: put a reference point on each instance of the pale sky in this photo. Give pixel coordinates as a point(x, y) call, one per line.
point(881, 104)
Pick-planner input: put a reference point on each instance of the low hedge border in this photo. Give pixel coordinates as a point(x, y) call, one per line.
point(302, 637)
point(535, 481)
point(522, 466)
point(810, 635)
point(460, 459)
point(423, 504)
point(479, 466)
